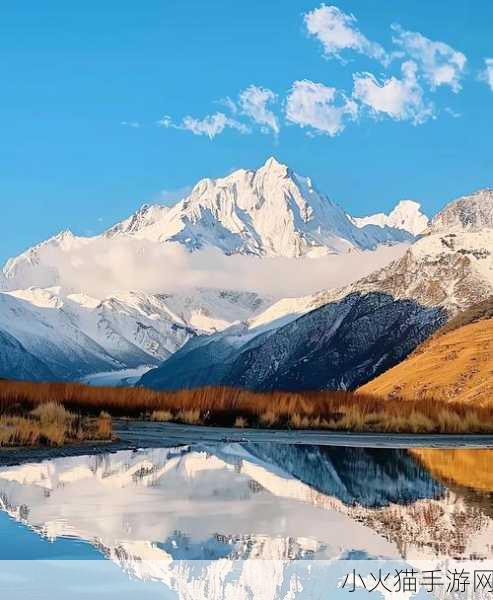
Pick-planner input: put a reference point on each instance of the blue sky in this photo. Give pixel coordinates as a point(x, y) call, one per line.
point(378, 113)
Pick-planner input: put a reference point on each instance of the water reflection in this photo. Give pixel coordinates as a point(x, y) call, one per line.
point(150, 510)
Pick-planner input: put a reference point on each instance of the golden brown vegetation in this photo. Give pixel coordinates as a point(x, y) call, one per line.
point(50, 424)
point(468, 468)
point(452, 366)
point(235, 407)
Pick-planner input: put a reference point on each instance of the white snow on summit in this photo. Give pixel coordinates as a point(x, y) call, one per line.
point(268, 212)
point(406, 215)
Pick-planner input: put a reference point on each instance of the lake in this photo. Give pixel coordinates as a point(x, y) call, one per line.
point(221, 520)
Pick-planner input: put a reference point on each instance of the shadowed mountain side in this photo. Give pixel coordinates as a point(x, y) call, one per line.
point(338, 346)
point(14, 358)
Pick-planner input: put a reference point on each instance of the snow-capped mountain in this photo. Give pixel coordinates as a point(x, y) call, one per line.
point(450, 266)
point(268, 212)
point(448, 269)
point(74, 305)
point(406, 215)
point(54, 335)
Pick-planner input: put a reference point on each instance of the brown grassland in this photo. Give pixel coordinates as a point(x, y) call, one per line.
point(336, 410)
point(454, 365)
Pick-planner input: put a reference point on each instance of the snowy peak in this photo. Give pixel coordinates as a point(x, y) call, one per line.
point(406, 216)
point(468, 213)
point(146, 216)
point(270, 211)
point(35, 266)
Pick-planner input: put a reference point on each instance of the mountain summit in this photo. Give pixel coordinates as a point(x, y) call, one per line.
point(468, 213)
point(271, 211)
point(406, 215)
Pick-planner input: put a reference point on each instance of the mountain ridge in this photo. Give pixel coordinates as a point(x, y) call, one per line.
point(263, 213)
point(444, 271)
point(270, 211)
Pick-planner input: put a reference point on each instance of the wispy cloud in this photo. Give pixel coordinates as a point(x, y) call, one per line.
point(320, 108)
point(337, 31)
point(441, 64)
point(228, 103)
point(486, 74)
point(210, 125)
point(400, 99)
point(133, 124)
point(254, 103)
point(454, 114)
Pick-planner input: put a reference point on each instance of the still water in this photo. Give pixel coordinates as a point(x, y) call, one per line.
point(231, 520)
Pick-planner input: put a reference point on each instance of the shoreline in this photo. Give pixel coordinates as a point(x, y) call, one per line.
point(133, 435)
point(147, 433)
point(13, 456)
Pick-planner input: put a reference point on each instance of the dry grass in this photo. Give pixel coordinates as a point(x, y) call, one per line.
point(241, 422)
point(235, 407)
point(453, 366)
point(51, 424)
point(104, 426)
point(162, 416)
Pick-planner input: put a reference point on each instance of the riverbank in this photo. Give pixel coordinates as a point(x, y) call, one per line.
point(134, 435)
point(17, 456)
point(144, 434)
point(234, 407)
point(50, 424)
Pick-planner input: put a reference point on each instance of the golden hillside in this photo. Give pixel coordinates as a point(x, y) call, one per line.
point(454, 365)
point(466, 467)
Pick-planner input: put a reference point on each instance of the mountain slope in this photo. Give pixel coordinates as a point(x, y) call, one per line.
point(338, 346)
point(453, 366)
point(15, 359)
point(450, 266)
point(72, 336)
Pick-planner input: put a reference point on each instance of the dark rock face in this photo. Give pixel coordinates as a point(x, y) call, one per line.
point(341, 345)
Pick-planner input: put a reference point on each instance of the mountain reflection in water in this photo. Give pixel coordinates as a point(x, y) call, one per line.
point(212, 502)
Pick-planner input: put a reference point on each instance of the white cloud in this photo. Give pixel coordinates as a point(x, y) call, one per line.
point(486, 74)
point(133, 124)
point(314, 105)
point(210, 125)
point(337, 31)
point(441, 64)
point(165, 121)
point(452, 112)
point(400, 99)
point(253, 103)
point(101, 267)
